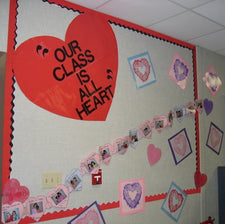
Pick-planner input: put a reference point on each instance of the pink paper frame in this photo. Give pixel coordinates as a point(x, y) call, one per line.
point(130, 203)
point(179, 71)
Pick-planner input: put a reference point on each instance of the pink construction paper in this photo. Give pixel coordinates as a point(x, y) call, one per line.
point(179, 71)
point(91, 164)
point(58, 197)
point(154, 154)
point(145, 130)
point(36, 207)
point(212, 81)
point(132, 196)
point(12, 213)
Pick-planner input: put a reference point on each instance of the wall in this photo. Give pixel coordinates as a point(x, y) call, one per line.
point(197, 203)
point(210, 160)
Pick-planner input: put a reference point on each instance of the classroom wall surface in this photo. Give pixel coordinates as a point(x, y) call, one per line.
point(46, 142)
point(209, 159)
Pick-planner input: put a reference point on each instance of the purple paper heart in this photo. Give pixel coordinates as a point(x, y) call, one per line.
point(180, 70)
point(208, 105)
point(132, 203)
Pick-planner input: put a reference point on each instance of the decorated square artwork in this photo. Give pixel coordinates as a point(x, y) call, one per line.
point(142, 69)
point(132, 196)
point(179, 71)
point(174, 202)
point(215, 138)
point(180, 146)
point(90, 215)
point(212, 81)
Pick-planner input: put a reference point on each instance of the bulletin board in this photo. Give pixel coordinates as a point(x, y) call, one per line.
point(80, 82)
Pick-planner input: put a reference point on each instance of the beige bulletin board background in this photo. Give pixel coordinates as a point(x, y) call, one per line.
point(46, 142)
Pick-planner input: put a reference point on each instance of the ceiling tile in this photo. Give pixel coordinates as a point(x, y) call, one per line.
point(222, 52)
point(214, 10)
point(213, 42)
point(144, 12)
point(186, 26)
point(91, 4)
point(190, 4)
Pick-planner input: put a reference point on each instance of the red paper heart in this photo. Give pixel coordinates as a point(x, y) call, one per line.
point(75, 78)
point(200, 179)
point(175, 200)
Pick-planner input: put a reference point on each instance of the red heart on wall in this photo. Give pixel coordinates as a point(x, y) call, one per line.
point(75, 78)
point(200, 179)
point(175, 200)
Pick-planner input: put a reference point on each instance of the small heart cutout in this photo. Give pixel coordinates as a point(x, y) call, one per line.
point(154, 154)
point(14, 192)
point(200, 179)
point(208, 106)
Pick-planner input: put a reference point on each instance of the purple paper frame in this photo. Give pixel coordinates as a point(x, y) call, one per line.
point(171, 146)
point(221, 141)
point(99, 211)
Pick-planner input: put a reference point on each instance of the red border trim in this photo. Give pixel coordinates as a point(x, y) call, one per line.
point(8, 104)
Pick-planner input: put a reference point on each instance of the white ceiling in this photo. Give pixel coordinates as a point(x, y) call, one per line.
point(199, 22)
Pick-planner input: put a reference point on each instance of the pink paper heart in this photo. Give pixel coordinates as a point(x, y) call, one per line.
point(180, 145)
point(154, 154)
point(91, 217)
point(13, 192)
point(215, 137)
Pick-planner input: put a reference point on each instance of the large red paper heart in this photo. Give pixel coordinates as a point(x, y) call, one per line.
point(180, 145)
point(175, 200)
point(215, 137)
point(200, 179)
point(142, 69)
point(75, 78)
point(91, 217)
